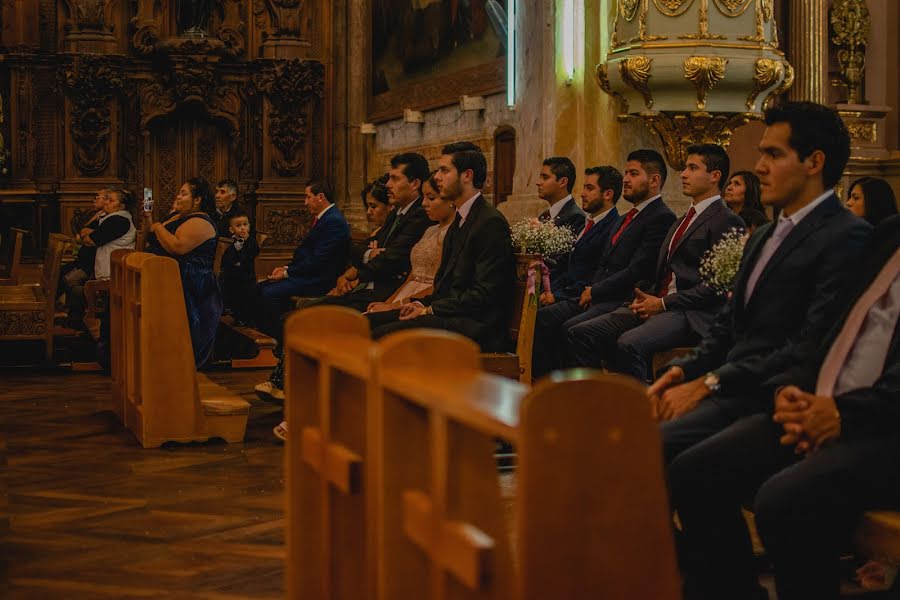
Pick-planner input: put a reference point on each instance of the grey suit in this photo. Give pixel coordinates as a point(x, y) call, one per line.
point(627, 342)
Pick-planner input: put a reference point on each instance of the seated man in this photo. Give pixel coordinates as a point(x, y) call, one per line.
point(785, 290)
point(73, 277)
point(599, 194)
point(554, 184)
point(318, 260)
point(629, 257)
point(830, 451)
point(226, 206)
point(378, 272)
point(678, 309)
point(474, 285)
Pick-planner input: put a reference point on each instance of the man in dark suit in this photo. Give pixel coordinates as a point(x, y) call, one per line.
point(554, 184)
point(629, 257)
point(829, 452)
point(784, 296)
point(378, 272)
point(679, 308)
point(599, 194)
point(318, 260)
point(474, 285)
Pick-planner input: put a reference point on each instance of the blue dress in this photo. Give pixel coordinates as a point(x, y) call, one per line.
point(202, 297)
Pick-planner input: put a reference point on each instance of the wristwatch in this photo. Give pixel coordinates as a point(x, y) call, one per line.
point(711, 381)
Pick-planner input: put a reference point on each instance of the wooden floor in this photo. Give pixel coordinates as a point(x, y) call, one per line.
point(93, 515)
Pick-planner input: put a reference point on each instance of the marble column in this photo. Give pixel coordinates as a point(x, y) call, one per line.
point(808, 50)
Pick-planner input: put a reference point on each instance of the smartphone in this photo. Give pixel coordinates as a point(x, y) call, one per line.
point(148, 200)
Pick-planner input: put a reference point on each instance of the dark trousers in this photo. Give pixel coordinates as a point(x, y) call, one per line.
point(806, 508)
point(552, 324)
point(275, 302)
point(389, 321)
point(626, 342)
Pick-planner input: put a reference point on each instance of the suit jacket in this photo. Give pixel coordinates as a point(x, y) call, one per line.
point(793, 304)
point(321, 256)
point(584, 258)
point(699, 302)
point(389, 268)
point(633, 257)
point(222, 220)
point(865, 412)
point(475, 282)
point(572, 218)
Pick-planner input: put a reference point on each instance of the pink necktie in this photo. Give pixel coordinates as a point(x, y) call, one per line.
point(840, 349)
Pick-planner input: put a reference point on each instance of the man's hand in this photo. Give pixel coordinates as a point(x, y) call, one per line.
point(413, 310)
point(673, 376)
point(682, 399)
point(343, 286)
point(547, 298)
point(585, 299)
point(87, 241)
point(375, 252)
point(645, 305)
point(810, 421)
point(376, 307)
point(278, 273)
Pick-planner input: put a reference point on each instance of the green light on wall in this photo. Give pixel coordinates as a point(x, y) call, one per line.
point(511, 54)
point(568, 39)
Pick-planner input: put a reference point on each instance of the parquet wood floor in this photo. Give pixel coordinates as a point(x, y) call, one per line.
point(93, 515)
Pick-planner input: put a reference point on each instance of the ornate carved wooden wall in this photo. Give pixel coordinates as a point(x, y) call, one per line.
point(100, 92)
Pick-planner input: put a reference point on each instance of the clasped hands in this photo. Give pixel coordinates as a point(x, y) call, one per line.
point(644, 305)
point(277, 273)
point(809, 421)
point(670, 398)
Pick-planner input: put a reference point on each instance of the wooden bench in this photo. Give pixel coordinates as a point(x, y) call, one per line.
point(393, 491)
point(9, 270)
point(165, 398)
point(117, 348)
point(521, 332)
point(28, 310)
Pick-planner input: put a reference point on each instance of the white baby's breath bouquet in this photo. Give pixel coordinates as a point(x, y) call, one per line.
point(533, 236)
point(720, 264)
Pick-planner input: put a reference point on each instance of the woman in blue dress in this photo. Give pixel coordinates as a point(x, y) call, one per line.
point(189, 236)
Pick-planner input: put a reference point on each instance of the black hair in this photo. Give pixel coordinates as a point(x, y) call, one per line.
point(609, 178)
point(879, 199)
point(815, 127)
point(752, 191)
point(561, 166)
point(414, 166)
point(465, 156)
point(238, 213)
point(652, 162)
point(321, 186)
point(715, 158)
point(200, 189)
point(431, 181)
point(377, 189)
point(753, 217)
point(125, 197)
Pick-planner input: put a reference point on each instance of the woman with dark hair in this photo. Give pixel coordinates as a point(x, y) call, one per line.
point(743, 192)
point(375, 200)
point(189, 236)
point(872, 199)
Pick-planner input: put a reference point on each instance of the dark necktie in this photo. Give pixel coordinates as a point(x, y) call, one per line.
point(544, 216)
point(666, 281)
point(625, 223)
point(392, 228)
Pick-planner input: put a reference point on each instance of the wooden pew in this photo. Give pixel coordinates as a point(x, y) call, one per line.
point(28, 310)
point(878, 536)
point(9, 270)
point(521, 332)
point(117, 327)
point(165, 398)
point(393, 492)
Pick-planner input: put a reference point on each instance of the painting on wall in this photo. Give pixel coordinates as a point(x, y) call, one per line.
point(428, 53)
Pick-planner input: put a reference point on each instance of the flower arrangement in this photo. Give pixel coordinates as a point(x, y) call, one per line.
point(719, 265)
point(533, 236)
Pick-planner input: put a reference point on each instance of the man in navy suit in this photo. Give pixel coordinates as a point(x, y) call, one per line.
point(555, 183)
point(599, 194)
point(629, 257)
point(784, 295)
point(679, 307)
point(317, 263)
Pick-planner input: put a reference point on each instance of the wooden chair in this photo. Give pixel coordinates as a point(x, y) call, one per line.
point(661, 359)
point(165, 398)
point(28, 310)
point(9, 270)
point(521, 332)
point(878, 536)
point(117, 329)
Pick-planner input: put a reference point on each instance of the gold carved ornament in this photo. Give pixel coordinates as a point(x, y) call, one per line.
point(703, 24)
point(628, 8)
point(851, 24)
point(642, 35)
point(785, 84)
point(672, 8)
point(704, 72)
point(863, 131)
point(767, 72)
point(635, 72)
point(603, 81)
point(732, 8)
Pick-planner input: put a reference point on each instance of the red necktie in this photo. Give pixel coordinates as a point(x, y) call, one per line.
point(315, 220)
point(625, 223)
point(587, 227)
point(685, 223)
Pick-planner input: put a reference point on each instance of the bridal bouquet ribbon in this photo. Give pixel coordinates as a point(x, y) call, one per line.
point(533, 268)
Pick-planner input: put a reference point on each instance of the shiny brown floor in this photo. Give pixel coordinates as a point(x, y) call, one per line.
point(93, 515)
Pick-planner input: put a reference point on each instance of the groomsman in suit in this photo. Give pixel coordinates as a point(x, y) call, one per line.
point(555, 183)
point(599, 194)
point(784, 296)
point(378, 272)
point(679, 308)
point(474, 285)
point(629, 257)
point(317, 262)
point(829, 452)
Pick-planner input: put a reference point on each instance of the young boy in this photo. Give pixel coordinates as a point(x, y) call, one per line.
point(238, 274)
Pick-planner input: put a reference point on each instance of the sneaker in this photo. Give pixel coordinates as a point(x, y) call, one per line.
point(267, 391)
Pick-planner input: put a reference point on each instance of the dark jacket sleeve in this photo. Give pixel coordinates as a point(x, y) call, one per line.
point(493, 269)
point(112, 228)
point(330, 242)
point(394, 261)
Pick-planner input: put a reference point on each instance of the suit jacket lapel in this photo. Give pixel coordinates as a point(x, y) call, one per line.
point(707, 214)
